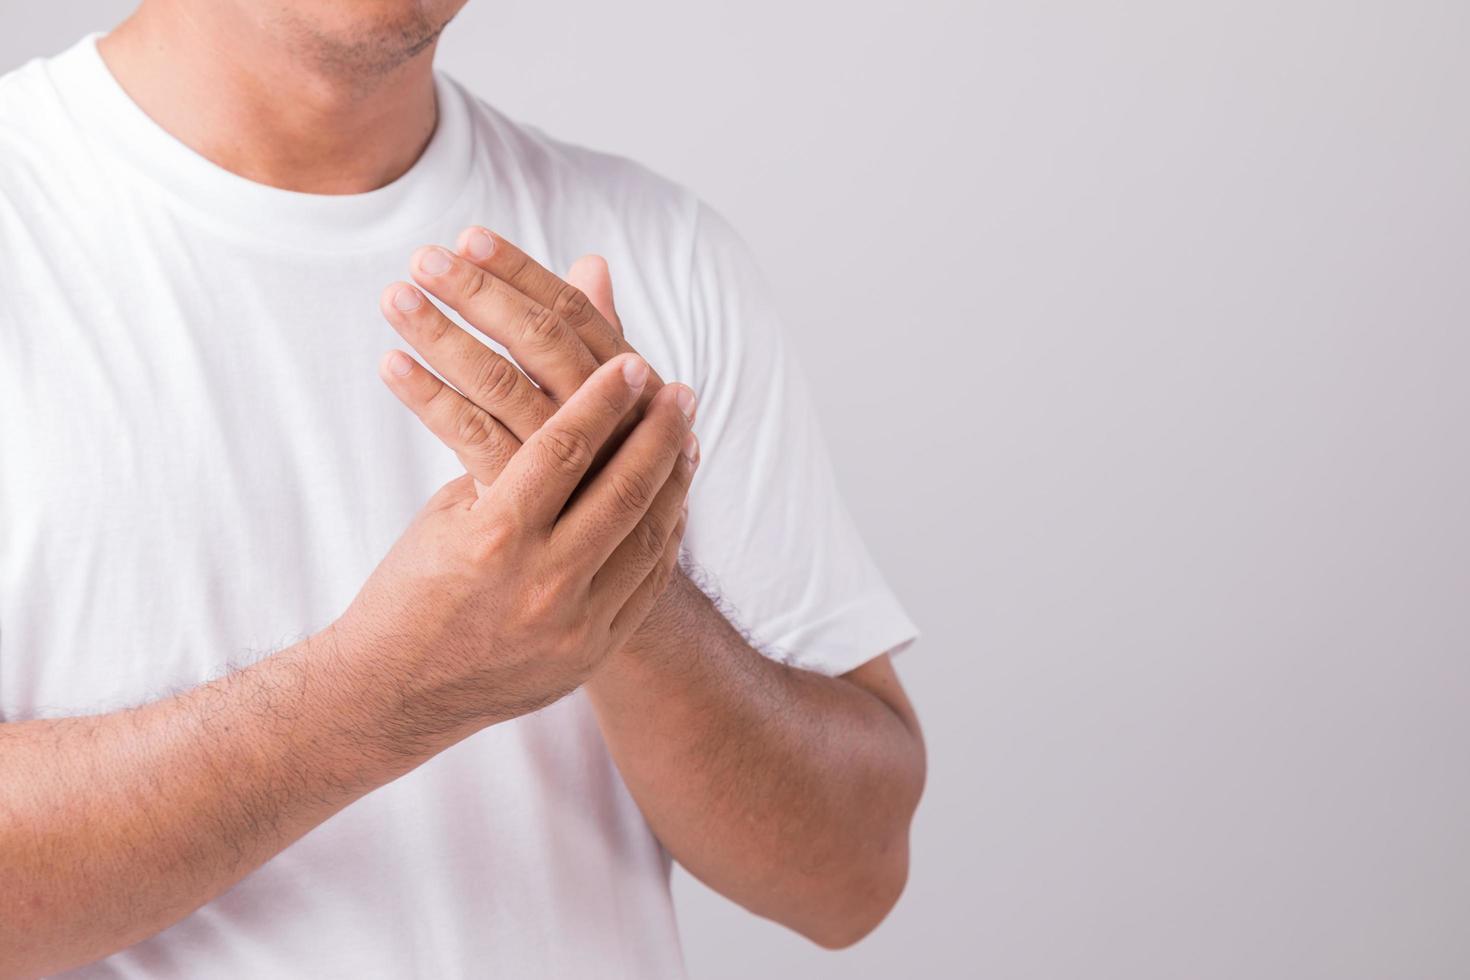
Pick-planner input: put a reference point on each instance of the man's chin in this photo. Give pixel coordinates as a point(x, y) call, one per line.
point(373, 46)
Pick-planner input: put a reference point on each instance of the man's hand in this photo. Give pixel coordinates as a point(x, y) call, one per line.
point(501, 597)
point(508, 590)
point(557, 333)
point(787, 791)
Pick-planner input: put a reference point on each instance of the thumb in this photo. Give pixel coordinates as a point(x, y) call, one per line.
point(590, 275)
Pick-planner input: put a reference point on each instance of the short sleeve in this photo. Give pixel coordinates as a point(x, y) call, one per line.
point(768, 531)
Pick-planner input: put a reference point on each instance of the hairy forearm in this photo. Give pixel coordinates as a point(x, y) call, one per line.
point(787, 791)
point(113, 827)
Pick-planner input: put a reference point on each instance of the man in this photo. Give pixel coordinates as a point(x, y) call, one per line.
point(238, 741)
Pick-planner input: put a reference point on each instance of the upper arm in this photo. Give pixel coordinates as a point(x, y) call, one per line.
point(767, 523)
point(879, 679)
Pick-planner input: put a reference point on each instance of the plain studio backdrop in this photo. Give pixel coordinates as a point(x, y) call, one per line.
point(1141, 334)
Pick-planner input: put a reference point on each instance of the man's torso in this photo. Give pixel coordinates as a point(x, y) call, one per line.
point(198, 465)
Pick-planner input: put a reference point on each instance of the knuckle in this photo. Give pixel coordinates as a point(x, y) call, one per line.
point(567, 449)
point(572, 305)
point(514, 262)
point(474, 282)
point(495, 378)
point(471, 428)
point(540, 326)
point(439, 328)
point(633, 490)
point(651, 540)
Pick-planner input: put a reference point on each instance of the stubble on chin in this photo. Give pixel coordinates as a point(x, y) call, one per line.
point(368, 53)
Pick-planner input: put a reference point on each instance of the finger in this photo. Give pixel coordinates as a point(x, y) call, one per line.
point(590, 274)
point(642, 550)
point(543, 474)
point(640, 603)
point(549, 350)
point(482, 444)
point(508, 263)
point(628, 486)
point(481, 375)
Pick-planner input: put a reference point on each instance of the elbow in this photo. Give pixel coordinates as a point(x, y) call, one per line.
point(863, 897)
point(861, 904)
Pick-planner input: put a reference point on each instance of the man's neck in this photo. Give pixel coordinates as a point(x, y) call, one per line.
point(271, 108)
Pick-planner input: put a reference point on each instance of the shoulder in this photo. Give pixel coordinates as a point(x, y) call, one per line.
point(689, 288)
point(24, 93)
point(42, 146)
point(40, 155)
point(589, 196)
point(573, 187)
point(33, 111)
point(24, 97)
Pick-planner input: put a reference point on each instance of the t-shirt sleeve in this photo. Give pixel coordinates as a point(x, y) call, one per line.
point(768, 532)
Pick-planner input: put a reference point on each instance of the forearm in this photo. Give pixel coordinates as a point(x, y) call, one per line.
point(115, 826)
point(788, 791)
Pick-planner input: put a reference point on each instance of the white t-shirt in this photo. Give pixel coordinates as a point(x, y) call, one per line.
point(199, 465)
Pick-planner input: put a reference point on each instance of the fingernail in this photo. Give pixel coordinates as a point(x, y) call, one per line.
point(399, 363)
point(434, 261)
point(686, 403)
point(691, 447)
point(478, 244)
point(635, 372)
point(407, 298)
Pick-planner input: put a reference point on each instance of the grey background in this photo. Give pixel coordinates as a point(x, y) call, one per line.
point(1140, 334)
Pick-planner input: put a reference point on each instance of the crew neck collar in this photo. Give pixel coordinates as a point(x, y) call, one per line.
point(292, 219)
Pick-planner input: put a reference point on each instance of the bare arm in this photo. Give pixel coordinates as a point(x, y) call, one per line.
point(116, 826)
point(499, 599)
point(787, 791)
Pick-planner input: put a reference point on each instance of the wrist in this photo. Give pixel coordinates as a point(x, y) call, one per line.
point(383, 701)
point(668, 632)
point(669, 622)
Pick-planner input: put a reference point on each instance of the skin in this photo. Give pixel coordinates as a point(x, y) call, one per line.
point(321, 96)
point(500, 598)
point(789, 792)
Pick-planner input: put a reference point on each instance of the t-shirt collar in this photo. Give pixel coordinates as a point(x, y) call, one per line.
point(326, 222)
